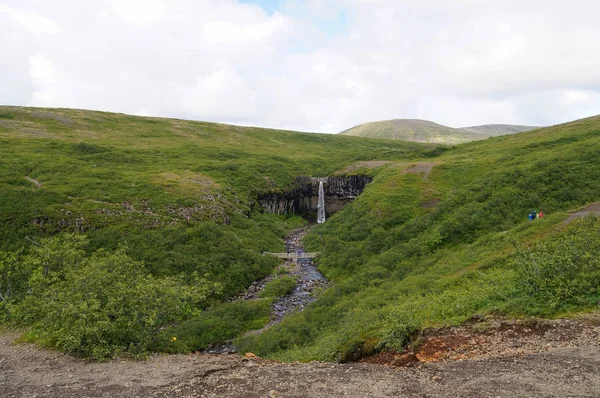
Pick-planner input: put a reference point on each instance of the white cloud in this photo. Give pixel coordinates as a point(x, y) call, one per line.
point(220, 94)
point(227, 31)
point(46, 81)
point(456, 63)
point(138, 12)
point(33, 21)
point(41, 69)
point(577, 97)
point(36, 23)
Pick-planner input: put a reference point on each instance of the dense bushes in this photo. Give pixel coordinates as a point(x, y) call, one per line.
point(219, 323)
point(95, 306)
point(229, 255)
point(561, 273)
point(279, 287)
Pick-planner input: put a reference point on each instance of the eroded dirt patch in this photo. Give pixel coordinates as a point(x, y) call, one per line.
point(496, 338)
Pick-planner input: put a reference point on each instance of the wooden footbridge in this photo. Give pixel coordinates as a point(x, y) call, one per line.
point(294, 256)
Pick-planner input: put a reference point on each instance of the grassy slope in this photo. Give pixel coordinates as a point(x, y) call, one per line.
point(426, 131)
point(417, 248)
point(181, 195)
point(420, 249)
point(138, 179)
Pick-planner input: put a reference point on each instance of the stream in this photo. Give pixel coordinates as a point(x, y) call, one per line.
point(308, 277)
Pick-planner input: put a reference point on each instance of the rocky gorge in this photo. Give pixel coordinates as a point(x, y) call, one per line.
point(301, 197)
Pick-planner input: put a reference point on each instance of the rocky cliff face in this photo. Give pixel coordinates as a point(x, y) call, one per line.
point(302, 197)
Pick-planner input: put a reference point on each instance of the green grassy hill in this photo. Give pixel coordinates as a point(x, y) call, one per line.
point(435, 242)
point(124, 234)
point(180, 195)
point(426, 131)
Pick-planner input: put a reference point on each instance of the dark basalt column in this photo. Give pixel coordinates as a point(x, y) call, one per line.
point(302, 197)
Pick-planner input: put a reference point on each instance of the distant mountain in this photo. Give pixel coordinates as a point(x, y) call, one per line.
point(493, 130)
point(426, 131)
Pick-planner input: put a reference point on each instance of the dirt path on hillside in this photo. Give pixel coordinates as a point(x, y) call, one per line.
point(591, 210)
point(34, 181)
point(516, 359)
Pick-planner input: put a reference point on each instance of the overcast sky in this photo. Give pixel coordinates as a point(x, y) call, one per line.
point(311, 65)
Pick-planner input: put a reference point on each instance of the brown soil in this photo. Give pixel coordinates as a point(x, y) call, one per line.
point(486, 358)
point(486, 338)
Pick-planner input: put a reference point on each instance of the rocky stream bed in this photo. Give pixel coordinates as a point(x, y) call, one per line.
point(308, 280)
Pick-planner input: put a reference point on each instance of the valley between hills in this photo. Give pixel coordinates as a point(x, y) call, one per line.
point(127, 242)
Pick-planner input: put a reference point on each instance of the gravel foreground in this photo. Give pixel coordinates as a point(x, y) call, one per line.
point(557, 359)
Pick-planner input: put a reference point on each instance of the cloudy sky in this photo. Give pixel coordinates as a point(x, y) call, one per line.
point(311, 65)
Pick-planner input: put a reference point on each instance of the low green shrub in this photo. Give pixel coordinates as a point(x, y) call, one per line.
point(563, 272)
point(278, 287)
point(219, 323)
point(102, 305)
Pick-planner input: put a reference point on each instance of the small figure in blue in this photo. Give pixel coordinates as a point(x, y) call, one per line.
point(533, 215)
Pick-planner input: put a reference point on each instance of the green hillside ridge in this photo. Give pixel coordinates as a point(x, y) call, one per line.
point(434, 243)
point(173, 201)
point(425, 131)
point(126, 234)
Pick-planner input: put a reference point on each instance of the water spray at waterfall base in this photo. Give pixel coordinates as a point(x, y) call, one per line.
point(321, 204)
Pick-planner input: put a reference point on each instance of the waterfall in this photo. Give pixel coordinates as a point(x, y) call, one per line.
point(321, 204)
